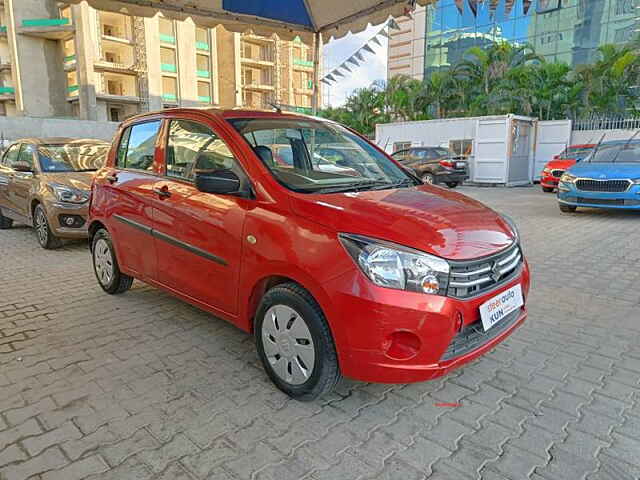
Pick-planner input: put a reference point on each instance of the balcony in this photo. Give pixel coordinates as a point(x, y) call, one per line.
point(7, 94)
point(103, 65)
point(259, 87)
point(258, 39)
point(49, 28)
point(110, 97)
point(123, 40)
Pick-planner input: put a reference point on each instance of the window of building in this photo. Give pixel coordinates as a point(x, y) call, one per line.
point(137, 146)
point(202, 38)
point(204, 92)
point(192, 147)
point(167, 30)
point(462, 148)
point(168, 60)
point(202, 64)
point(115, 113)
point(397, 146)
point(169, 89)
point(72, 84)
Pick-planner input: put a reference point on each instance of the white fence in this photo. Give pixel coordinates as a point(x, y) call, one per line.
point(13, 128)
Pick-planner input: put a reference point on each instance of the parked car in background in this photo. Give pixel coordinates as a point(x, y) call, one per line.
point(434, 165)
point(375, 276)
point(554, 169)
point(46, 183)
point(608, 178)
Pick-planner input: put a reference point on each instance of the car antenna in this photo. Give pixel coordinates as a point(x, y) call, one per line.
point(625, 145)
point(276, 107)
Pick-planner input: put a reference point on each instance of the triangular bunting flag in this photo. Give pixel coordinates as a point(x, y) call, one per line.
point(376, 41)
point(508, 6)
point(367, 48)
point(345, 67)
point(393, 24)
point(460, 5)
point(473, 5)
point(325, 81)
point(337, 73)
point(329, 77)
point(526, 4)
point(359, 56)
point(354, 61)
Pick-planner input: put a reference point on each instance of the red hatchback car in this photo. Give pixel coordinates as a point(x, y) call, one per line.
point(554, 169)
point(374, 276)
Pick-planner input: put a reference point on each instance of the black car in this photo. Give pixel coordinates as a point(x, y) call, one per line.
point(434, 165)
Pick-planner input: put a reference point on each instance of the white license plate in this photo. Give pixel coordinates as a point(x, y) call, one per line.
point(461, 164)
point(494, 310)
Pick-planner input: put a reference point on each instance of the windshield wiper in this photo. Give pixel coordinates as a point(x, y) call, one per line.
point(352, 187)
point(404, 183)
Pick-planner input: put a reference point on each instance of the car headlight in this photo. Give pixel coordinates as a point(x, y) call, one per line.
point(546, 170)
point(636, 181)
point(68, 194)
point(513, 226)
point(394, 266)
point(568, 178)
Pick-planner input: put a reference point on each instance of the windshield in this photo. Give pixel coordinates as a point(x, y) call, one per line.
point(72, 157)
point(315, 156)
point(575, 154)
point(619, 153)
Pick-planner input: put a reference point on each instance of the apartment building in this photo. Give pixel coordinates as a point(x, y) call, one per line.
point(74, 61)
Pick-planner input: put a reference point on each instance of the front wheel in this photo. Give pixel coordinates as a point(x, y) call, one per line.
point(295, 344)
point(46, 238)
point(567, 208)
point(105, 265)
point(547, 189)
point(452, 184)
point(5, 222)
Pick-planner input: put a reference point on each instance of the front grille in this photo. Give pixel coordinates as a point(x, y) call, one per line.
point(557, 173)
point(473, 336)
point(590, 185)
point(620, 202)
point(473, 277)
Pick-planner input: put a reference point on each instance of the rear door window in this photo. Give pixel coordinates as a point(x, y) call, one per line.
point(26, 154)
point(137, 146)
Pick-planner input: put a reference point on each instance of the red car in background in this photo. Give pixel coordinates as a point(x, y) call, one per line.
point(554, 169)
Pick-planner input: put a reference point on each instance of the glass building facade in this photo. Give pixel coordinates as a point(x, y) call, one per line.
point(567, 31)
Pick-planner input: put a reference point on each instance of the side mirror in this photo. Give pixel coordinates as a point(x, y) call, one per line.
point(22, 167)
point(556, 157)
point(217, 181)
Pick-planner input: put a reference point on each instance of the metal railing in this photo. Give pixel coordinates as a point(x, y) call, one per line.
point(607, 123)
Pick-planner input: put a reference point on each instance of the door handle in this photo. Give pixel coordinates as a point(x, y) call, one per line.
point(111, 179)
point(162, 192)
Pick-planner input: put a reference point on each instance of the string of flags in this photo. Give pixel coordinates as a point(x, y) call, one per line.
point(507, 6)
point(358, 57)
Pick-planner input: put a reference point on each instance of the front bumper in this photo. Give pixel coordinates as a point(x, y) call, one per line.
point(549, 181)
point(630, 200)
point(55, 210)
point(393, 336)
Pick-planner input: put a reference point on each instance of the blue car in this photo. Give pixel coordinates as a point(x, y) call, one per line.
point(608, 178)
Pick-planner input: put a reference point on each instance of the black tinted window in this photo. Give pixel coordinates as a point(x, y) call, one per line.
point(139, 143)
point(193, 146)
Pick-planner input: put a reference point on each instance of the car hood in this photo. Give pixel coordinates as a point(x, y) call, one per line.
point(79, 180)
point(603, 171)
point(427, 218)
point(560, 164)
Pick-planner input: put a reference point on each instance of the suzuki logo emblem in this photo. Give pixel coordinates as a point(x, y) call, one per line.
point(495, 272)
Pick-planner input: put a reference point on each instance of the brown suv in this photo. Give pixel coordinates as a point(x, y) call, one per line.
point(46, 183)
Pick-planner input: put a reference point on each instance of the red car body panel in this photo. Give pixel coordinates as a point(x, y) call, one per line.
point(549, 180)
point(297, 240)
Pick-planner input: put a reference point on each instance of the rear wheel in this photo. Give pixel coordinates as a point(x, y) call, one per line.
point(295, 344)
point(567, 208)
point(105, 265)
point(547, 189)
point(46, 238)
point(452, 184)
point(5, 222)
point(428, 178)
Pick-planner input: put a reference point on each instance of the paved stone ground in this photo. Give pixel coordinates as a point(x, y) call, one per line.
point(144, 386)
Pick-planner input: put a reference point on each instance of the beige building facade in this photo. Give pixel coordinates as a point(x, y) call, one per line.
point(74, 61)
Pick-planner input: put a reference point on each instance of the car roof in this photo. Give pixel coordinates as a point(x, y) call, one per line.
point(60, 141)
point(227, 114)
point(620, 142)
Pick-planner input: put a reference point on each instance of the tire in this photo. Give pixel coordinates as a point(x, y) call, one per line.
point(105, 265)
point(567, 208)
point(547, 189)
point(5, 223)
point(304, 371)
point(428, 178)
point(45, 236)
point(452, 184)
